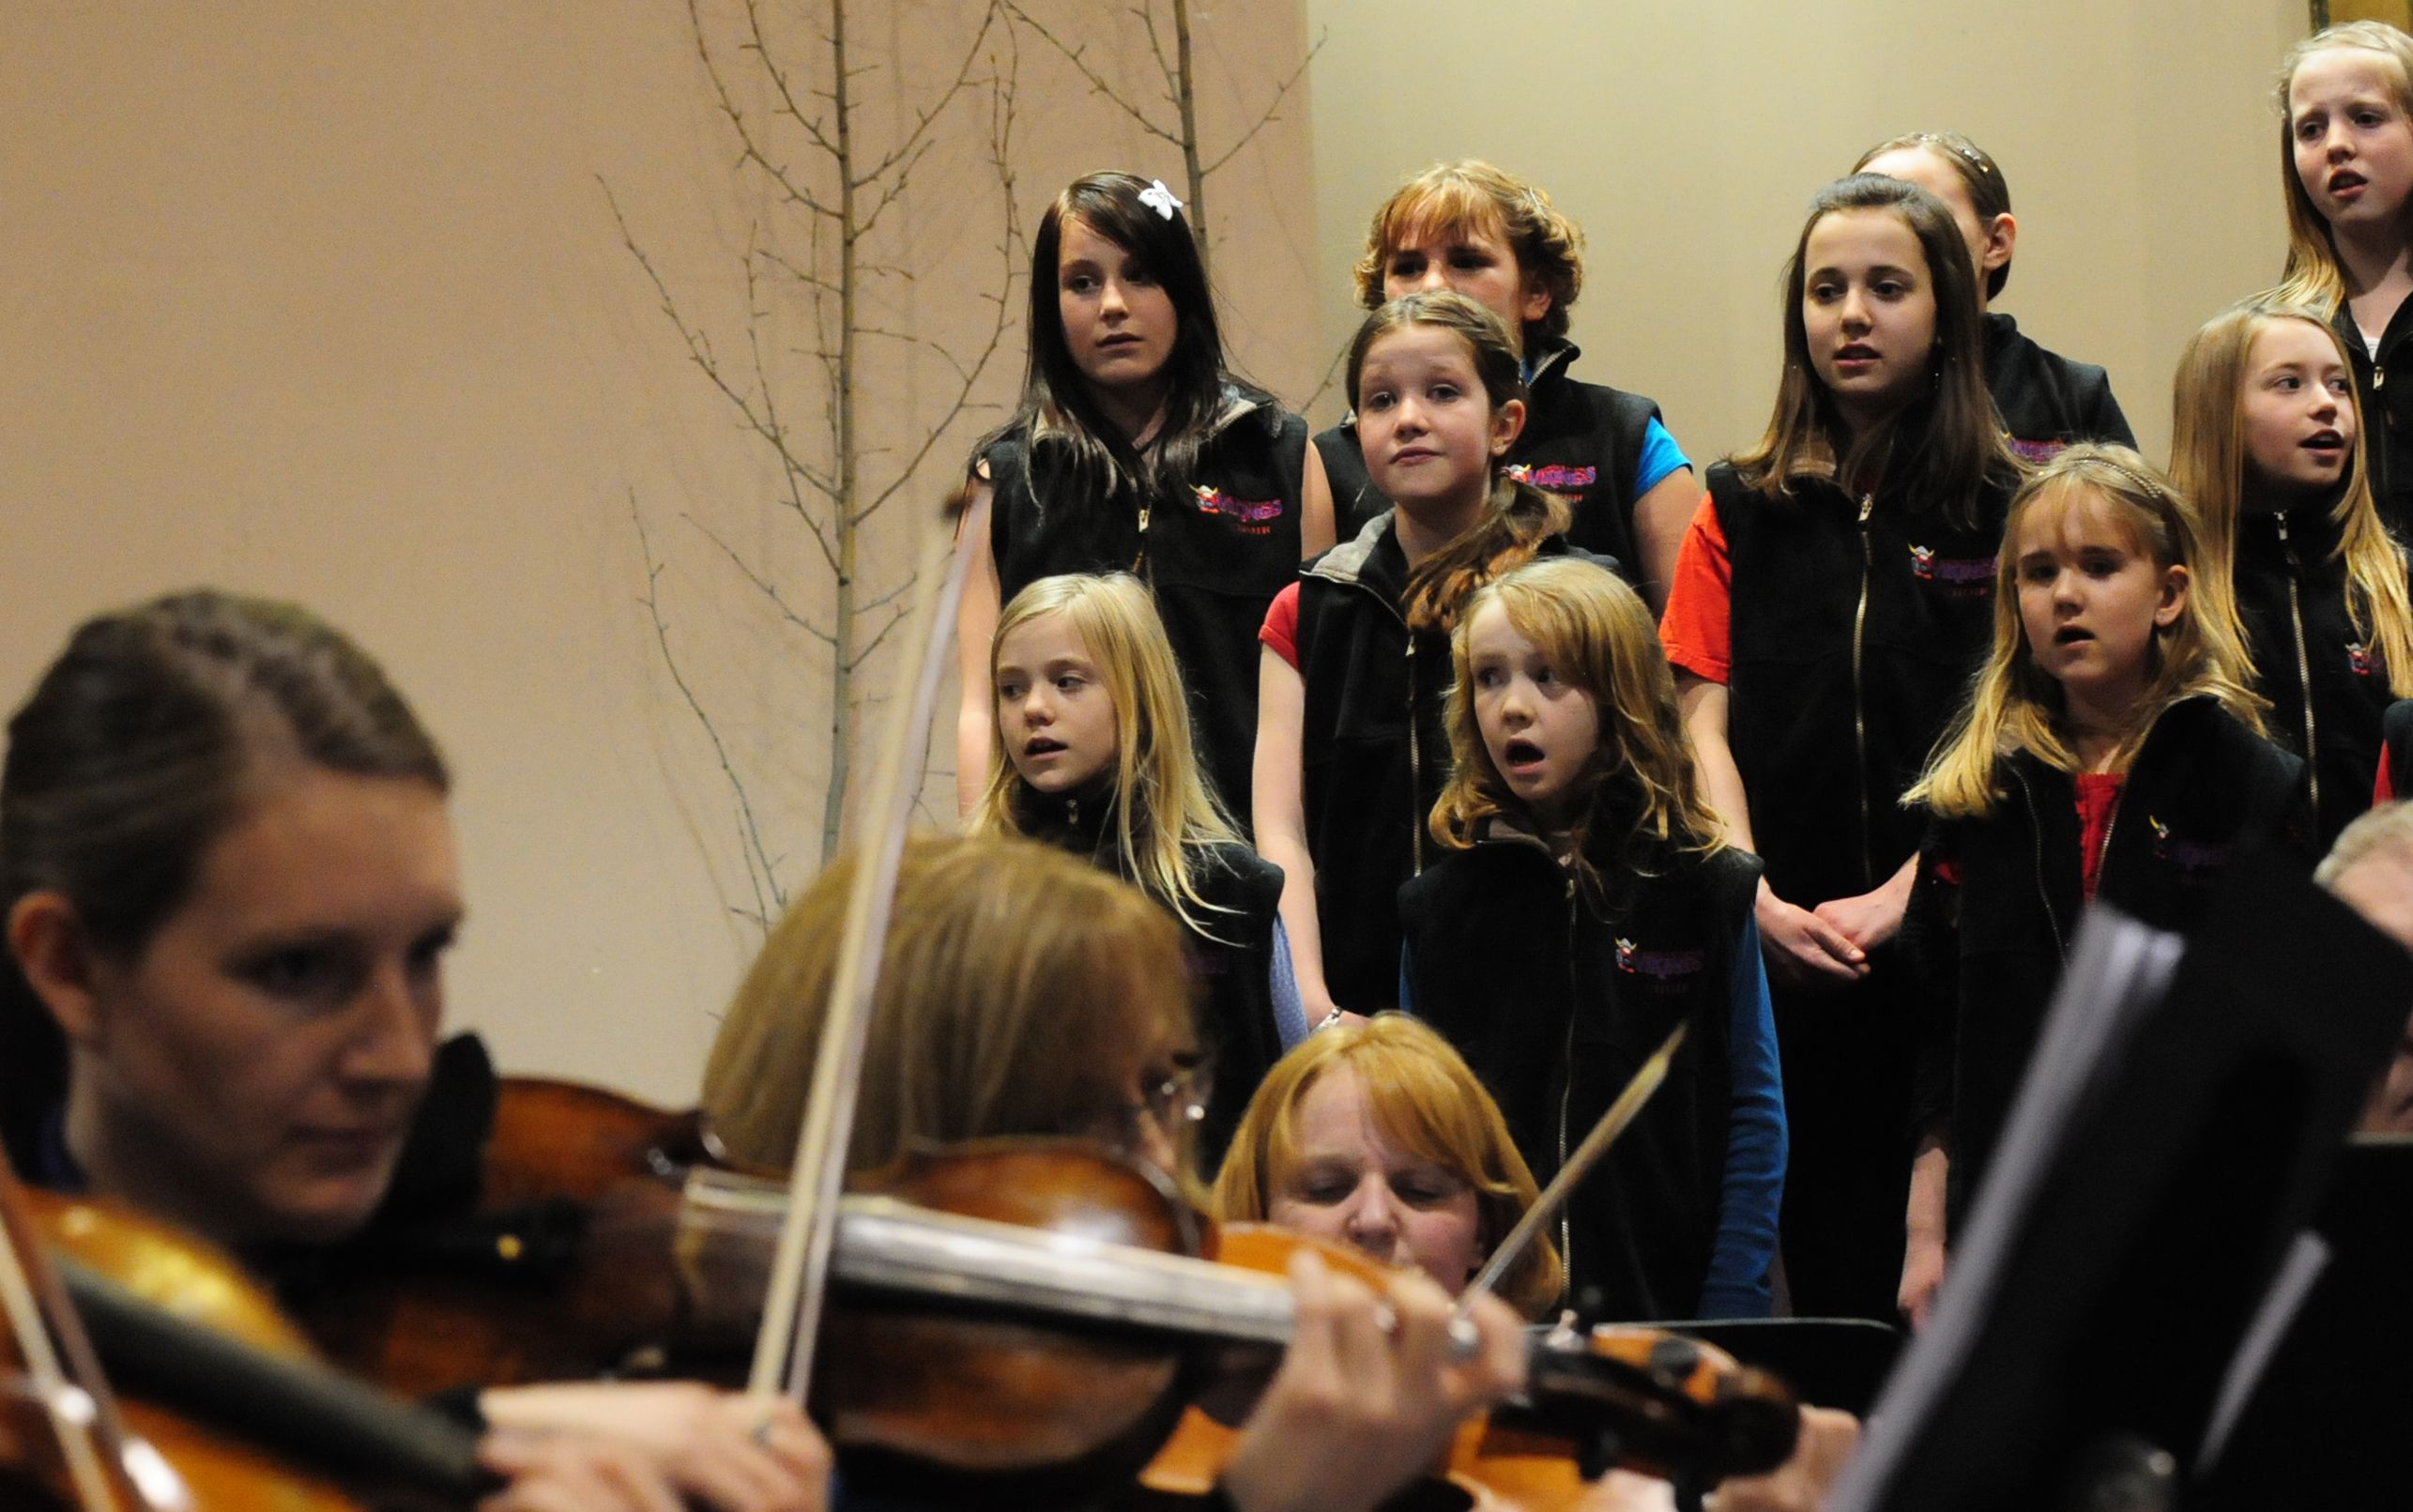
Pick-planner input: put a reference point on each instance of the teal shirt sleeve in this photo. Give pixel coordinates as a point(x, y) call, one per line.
point(1660, 457)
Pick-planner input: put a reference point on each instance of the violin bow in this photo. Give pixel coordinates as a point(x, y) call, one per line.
point(801, 1266)
point(1575, 1166)
point(62, 1372)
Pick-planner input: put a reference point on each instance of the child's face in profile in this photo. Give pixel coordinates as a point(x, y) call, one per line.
point(2091, 598)
point(2299, 413)
point(1539, 729)
point(1054, 715)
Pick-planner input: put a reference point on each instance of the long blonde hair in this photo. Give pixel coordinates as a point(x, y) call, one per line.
point(1165, 808)
point(2207, 461)
point(2017, 705)
point(1426, 1100)
point(1600, 639)
point(2312, 276)
point(1009, 968)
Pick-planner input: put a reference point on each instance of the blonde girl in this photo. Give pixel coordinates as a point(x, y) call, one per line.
point(2111, 749)
point(1376, 1134)
point(1091, 752)
point(1137, 449)
point(1478, 231)
point(1586, 904)
point(1828, 609)
point(1350, 752)
point(2346, 170)
point(2044, 400)
point(2269, 446)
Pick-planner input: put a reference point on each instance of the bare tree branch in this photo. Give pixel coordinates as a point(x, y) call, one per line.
point(769, 590)
point(1273, 107)
point(1099, 83)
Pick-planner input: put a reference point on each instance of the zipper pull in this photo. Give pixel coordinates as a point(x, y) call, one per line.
point(1868, 506)
point(1141, 555)
point(2281, 518)
point(1411, 674)
point(1073, 812)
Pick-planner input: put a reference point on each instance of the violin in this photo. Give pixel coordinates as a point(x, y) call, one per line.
point(1022, 1313)
point(228, 1410)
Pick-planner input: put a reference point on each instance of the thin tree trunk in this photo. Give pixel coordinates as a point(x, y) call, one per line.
point(1186, 97)
point(842, 648)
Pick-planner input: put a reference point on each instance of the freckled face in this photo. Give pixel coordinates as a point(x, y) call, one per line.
point(1352, 1182)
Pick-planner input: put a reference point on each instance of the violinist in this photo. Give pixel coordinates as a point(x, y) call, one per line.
point(1022, 992)
point(1378, 1135)
point(230, 883)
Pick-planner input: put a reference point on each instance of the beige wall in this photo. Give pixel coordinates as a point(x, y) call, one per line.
point(2136, 138)
point(325, 300)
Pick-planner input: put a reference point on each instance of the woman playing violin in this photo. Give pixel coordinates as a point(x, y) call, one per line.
point(1376, 1134)
point(1023, 992)
point(230, 882)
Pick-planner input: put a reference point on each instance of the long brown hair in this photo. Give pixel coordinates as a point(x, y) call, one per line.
point(2207, 461)
point(1600, 640)
point(1981, 179)
point(2016, 706)
point(1944, 446)
point(145, 741)
point(1517, 517)
point(2312, 276)
point(1010, 971)
point(1424, 1099)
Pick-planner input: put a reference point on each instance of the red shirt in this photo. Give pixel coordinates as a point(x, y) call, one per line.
point(1698, 627)
point(2098, 799)
point(1281, 627)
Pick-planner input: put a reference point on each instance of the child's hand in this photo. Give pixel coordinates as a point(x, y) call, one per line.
point(1922, 1272)
point(1804, 947)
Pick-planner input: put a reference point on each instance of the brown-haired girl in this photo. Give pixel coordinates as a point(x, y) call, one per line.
point(2269, 445)
point(1470, 228)
point(1351, 752)
point(1137, 449)
point(2044, 400)
point(2346, 170)
point(1831, 602)
point(2111, 749)
point(1588, 905)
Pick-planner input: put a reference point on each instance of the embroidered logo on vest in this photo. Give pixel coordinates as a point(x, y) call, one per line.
point(1556, 477)
point(2197, 858)
point(2034, 450)
point(2359, 661)
point(1963, 577)
point(1665, 968)
point(1252, 517)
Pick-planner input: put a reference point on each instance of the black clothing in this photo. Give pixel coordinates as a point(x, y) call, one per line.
point(1213, 557)
point(1373, 753)
point(2327, 685)
point(1582, 441)
point(2396, 750)
point(1556, 1001)
point(1232, 963)
point(1998, 897)
point(2044, 401)
point(1854, 628)
point(2387, 410)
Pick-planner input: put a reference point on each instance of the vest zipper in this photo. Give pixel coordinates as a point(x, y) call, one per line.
point(2303, 663)
point(1567, 1091)
point(2035, 833)
point(1859, 706)
point(1416, 766)
point(1140, 556)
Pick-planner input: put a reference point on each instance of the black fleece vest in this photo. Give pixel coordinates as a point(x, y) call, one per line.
point(1213, 557)
point(1556, 1003)
point(1853, 640)
point(2384, 392)
point(1582, 441)
point(2044, 401)
point(2203, 788)
point(2328, 686)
